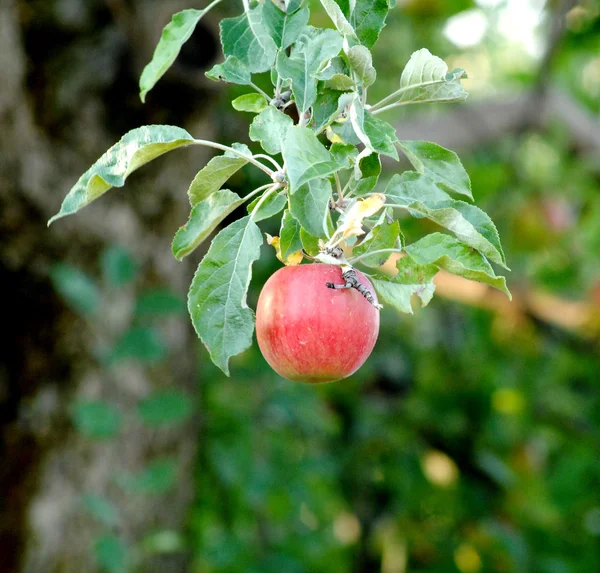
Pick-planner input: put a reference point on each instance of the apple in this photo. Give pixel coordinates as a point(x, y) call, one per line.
point(311, 333)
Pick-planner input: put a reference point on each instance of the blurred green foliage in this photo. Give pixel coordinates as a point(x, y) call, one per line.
point(470, 440)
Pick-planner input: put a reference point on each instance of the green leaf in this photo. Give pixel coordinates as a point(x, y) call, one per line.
point(164, 543)
point(305, 157)
point(111, 554)
point(135, 149)
point(370, 165)
point(340, 83)
point(422, 197)
point(232, 71)
point(309, 205)
point(118, 267)
point(78, 289)
point(216, 172)
point(159, 302)
point(361, 63)
point(328, 107)
point(384, 235)
point(96, 420)
point(217, 296)
point(158, 477)
point(272, 205)
point(314, 47)
point(457, 258)
point(252, 103)
point(381, 135)
point(174, 35)
point(338, 19)
point(204, 218)
point(284, 27)
point(270, 128)
point(310, 243)
point(289, 235)
point(246, 38)
point(101, 509)
point(377, 135)
point(426, 79)
point(139, 343)
point(165, 407)
point(368, 19)
point(438, 163)
point(343, 154)
point(412, 279)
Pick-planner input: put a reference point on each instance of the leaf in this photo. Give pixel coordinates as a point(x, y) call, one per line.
point(340, 83)
point(351, 221)
point(381, 135)
point(272, 205)
point(216, 172)
point(232, 71)
point(411, 279)
point(368, 19)
point(217, 296)
point(158, 477)
point(309, 205)
point(253, 103)
point(284, 27)
point(384, 235)
point(370, 165)
point(78, 289)
point(457, 258)
point(118, 267)
point(135, 149)
point(328, 107)
point(139, 343)
point(338, 19)
point(438, 163)
point(165, 407)
point(246, 38)
point(290, 241)
point(101, 509)
point(204, 218)
point(96, 420)
point(306, 158)
point(377, 135)
point(312, 50)
point(310, 243)
point(426, 79)
point(344, 155)
point(174, 35)
point(361, 63)
point(292, 259)
point(421, 196)
point(270, 128)
point(159, 302)
point(111, 554)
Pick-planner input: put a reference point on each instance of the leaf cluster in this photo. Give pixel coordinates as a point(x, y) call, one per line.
point(322, 146)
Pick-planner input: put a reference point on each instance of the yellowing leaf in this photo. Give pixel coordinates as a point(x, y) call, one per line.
point(292, 259)
point(352, 226)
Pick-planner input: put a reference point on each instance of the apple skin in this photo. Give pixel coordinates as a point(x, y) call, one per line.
point(310, 333)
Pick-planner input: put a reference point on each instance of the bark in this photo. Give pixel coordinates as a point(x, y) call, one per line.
point(68, 73)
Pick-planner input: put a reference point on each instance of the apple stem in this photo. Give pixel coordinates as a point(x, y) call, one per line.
point(351, 281)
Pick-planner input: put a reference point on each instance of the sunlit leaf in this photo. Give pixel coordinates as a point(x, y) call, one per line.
point(426, 79)
point(252, 103)
point(291, 259)
point(352, 220)
point(271, 206)
point(412, 279)
point(422, 197)
point(384, 235)
point(135, 149)
point(232, 71)
point(438, 163)
point(216, 172)
point(204, 218)
point(270, 127)
point(450, 254)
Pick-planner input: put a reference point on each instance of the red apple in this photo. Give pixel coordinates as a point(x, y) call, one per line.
point(311, 333)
